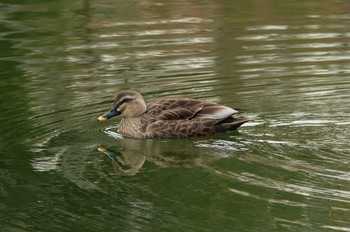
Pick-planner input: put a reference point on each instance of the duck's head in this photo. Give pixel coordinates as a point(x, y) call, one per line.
point(129, 104)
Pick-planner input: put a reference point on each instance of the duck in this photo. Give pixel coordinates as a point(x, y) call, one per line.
point(170, 117)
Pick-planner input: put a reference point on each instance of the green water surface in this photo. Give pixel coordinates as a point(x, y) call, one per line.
point(286, 63)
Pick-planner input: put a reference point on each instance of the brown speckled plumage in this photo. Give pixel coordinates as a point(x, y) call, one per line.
point(171, 117)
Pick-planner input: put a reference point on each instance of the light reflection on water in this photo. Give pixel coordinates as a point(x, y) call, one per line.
point(286, 170)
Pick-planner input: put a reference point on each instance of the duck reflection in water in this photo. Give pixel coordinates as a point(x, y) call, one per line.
point(166, 118)
point(129, 155)
point(124, 163)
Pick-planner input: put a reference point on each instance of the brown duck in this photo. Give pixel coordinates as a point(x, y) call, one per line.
point(170, 117)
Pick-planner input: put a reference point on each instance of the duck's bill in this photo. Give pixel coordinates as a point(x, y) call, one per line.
point(113, 112)
point(101, 118)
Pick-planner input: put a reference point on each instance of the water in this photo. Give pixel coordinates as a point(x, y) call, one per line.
point(287, 65)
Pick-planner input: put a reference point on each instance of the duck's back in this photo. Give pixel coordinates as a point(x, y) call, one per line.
point(174, 108)
point(183, 117)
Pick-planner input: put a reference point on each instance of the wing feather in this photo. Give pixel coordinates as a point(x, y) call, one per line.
point(216, 112)
point(174, 109)
point(184, 108)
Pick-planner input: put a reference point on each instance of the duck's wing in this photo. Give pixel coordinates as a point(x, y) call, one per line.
point(215, 111)
point(174, 109)
point(184, 108)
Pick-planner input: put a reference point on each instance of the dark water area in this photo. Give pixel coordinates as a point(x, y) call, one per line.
point(287, 64)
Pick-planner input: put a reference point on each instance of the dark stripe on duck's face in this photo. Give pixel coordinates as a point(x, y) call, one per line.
point(123, 100)
point(123, 95)
point(120, 100)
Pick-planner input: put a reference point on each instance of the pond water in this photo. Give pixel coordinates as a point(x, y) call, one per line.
point(286, 64)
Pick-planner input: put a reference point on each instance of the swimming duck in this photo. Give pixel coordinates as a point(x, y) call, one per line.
point(170, 117)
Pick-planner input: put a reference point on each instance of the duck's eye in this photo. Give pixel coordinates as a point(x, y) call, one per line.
point(125, 100)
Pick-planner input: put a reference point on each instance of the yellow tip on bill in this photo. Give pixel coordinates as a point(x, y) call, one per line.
point(101, 149)
point(101, 118)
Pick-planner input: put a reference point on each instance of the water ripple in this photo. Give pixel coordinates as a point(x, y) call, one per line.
point(291, 77)
point(187, 20)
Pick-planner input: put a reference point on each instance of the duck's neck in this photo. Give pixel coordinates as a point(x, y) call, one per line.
point(131, 127)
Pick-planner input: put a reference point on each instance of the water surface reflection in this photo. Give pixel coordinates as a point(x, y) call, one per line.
point(285, 64)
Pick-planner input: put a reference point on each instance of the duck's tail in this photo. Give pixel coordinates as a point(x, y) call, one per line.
point(230, 124)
